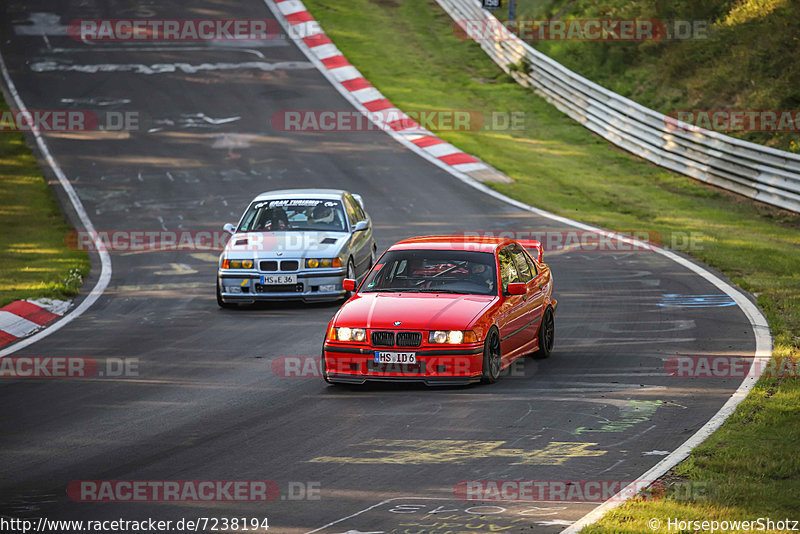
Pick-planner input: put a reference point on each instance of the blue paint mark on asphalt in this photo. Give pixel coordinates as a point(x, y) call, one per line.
point(674, 300)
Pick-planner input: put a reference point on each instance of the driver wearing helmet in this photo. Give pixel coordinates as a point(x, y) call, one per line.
point(481, 274)
point(278, 219)
point(412, 274)
point(322, 215)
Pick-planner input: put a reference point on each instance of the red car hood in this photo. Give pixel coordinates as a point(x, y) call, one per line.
point(415, 311)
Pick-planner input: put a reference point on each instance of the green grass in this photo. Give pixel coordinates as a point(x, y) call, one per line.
point(34, 259)
point(748, 58)
point(408, 50)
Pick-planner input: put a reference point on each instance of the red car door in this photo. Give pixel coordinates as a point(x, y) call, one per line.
point(511, 317)
point(534, 299)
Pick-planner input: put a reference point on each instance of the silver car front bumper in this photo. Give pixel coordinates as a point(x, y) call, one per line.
point(244, 287)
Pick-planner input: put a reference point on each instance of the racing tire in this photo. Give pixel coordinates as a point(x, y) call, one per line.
point(492, 358)
point(224, 305)
point(547, 335)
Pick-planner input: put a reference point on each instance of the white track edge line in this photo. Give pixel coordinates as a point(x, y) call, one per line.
point(763, 339)
point(408, 498)
point(367, 509)
point(105, 259)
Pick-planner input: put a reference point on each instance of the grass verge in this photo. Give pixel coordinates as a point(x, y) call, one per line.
point(34, 259)
point(752, 464)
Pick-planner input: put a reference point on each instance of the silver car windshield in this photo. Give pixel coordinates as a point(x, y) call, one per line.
point(433, 271)
point(294, 215)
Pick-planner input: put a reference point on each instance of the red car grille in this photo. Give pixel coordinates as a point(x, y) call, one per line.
point(409, 339)
point(382, 338)
point(386, 338)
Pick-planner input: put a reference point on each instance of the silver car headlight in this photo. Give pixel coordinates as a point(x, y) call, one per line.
point(237, 264)
point(315, 263)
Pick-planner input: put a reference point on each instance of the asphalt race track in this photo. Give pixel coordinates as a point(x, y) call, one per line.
point(208, 404)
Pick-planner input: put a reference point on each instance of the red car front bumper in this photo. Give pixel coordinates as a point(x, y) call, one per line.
point(355, 364)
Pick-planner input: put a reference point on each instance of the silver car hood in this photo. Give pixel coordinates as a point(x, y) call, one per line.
point(269, 245)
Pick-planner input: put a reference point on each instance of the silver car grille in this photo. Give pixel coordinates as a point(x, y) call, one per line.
point(275, 266)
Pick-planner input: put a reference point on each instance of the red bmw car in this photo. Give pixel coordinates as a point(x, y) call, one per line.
point(443, 310)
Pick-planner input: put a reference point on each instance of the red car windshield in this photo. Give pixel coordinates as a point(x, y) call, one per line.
point(434, 271)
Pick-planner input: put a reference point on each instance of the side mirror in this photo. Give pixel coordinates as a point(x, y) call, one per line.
point(360, 226)
point(517, 288)
point(349, 284)
point(231, 229)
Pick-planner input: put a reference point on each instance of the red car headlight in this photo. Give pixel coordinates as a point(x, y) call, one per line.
point(452, 337)
point(347, 334)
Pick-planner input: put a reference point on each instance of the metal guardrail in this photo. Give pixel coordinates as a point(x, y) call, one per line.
point(755, 171)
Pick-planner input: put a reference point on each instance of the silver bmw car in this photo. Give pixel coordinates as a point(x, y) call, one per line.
point(296, 244)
